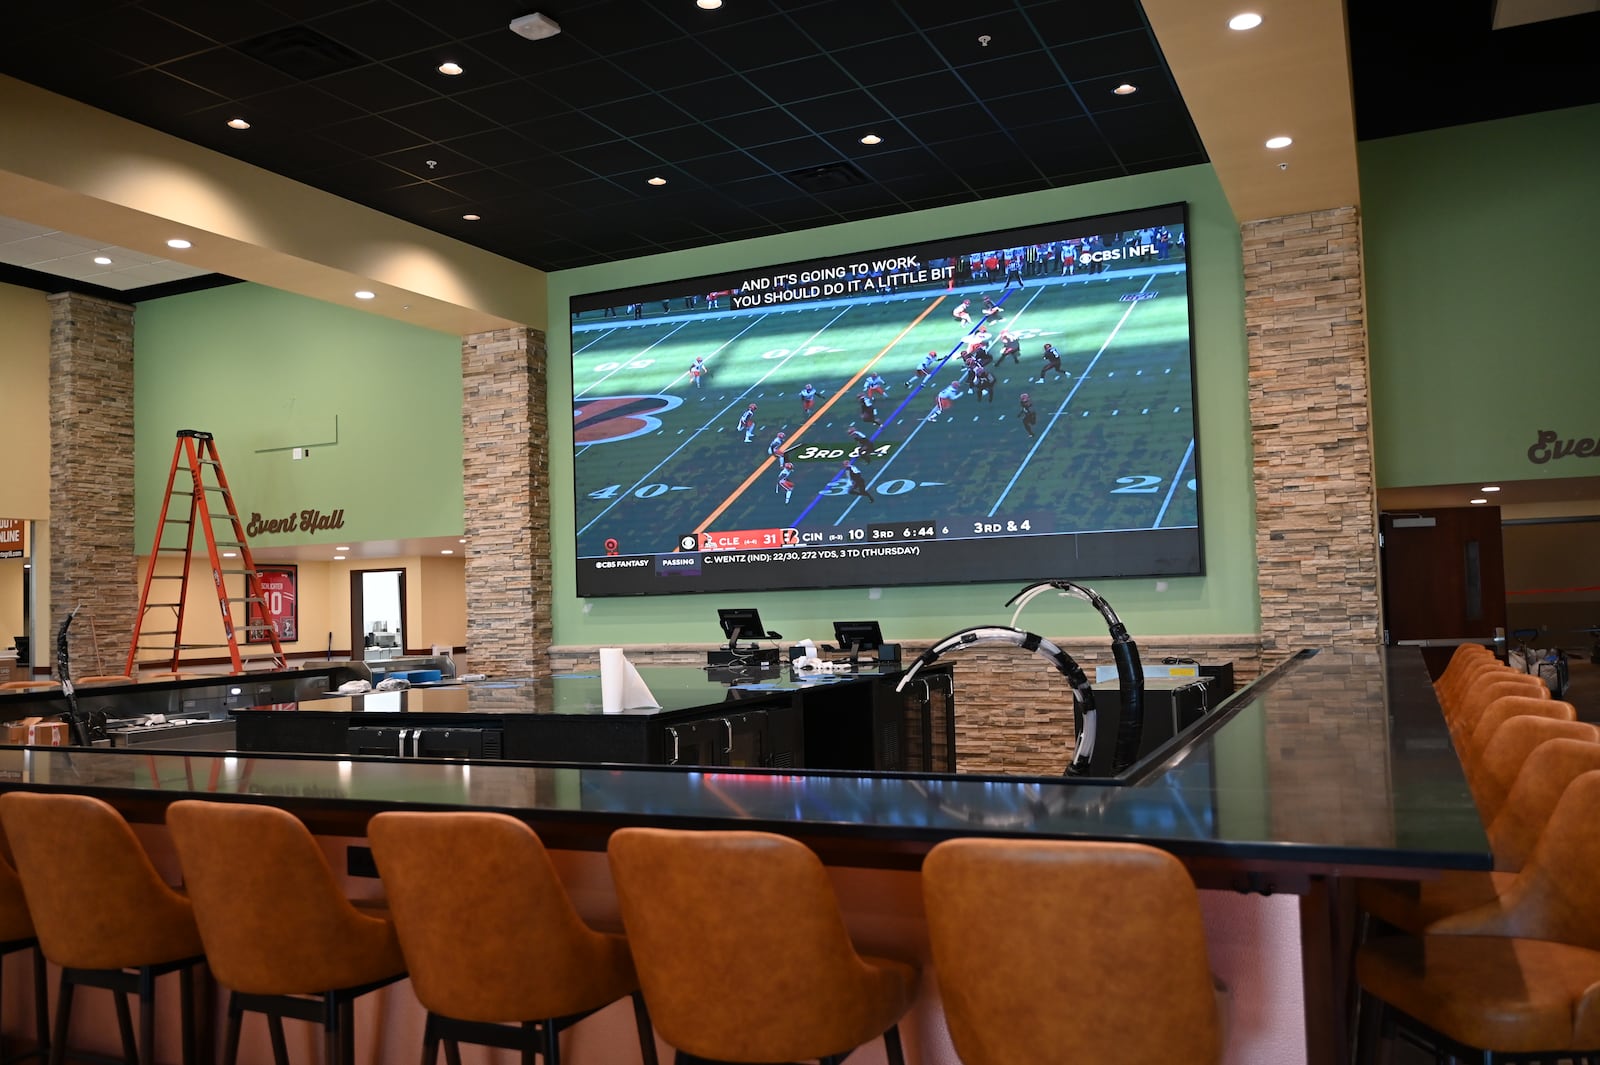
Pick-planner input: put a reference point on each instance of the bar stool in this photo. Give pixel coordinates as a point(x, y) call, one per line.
point(1498, 713)
point(1052, 951)
point(1476, 699)
point(1464, 657)
point(1545, 773)
point(1507, 750)
point(102, 912)
point(1520, 975)
point(526, 965)
point(16, 933)
point(743, 953)
point(279, 934)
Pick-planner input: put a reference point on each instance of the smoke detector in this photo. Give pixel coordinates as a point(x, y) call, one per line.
point(535, 27)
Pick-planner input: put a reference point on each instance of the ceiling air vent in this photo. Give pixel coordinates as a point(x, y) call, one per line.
point(302, 53)
point(820, 179)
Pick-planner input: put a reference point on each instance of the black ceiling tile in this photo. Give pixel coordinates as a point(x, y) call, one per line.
point(562, 130)
point(286, 151)
point(984, 153)
point(153, 97)
point(357, 177)
point(801, 79)
point(919, 187)
point(908, 161)
point(1052, 139)
point(1154, 85)
point(374, 87)
point(226, 72)
point(589, 84)
point(378, 30)
point(762, 43)
point(860, 197)
point(1001, 184)
point(672, 63)
point(524, 57)
point(758, 190)
point(758, 127)
point(930, 92)
point(598, 193)
point(481, 185)
point(52, 19)
point(494, 147)
point(846, 110)
point(139, 35)
point(1144, 133)
point(509, 103)
point(797, 154)
point(446, 163)
point(718, 98)
point(948, 198)
point(796, 212)
point(69, 72)
point(1058, 23)
point(690, 18)
point(952, 124)
point(892, 60)
point(1086, 154)
point(641, 115)
point(685, 142)
point(547, 171)
point(235, 20)
point(1107, 57)
point(300, 10)
point(613, 158)
point(618, 26)
point(372, 135)
point(304, 105)
point(1032, 108)
point(1010, 35)
point(1000, 78)
point(439, 120)
point(841, 24)
point(409, 201)
point(726, 167)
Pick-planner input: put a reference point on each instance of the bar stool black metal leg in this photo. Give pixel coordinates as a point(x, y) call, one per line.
point(891, 1046)
point(552, 1044)
point(230, 1046)
point(452, 1052)
point(430, 1042)
point(186, 1013)
point(280, 1045)
point(130, 1050)
point(647, 1031)
point(347, 1032)
point(41, 1003)
point(63, 1016)
point(146, 1049)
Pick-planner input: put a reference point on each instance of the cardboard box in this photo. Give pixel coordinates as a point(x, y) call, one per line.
point(37, 732)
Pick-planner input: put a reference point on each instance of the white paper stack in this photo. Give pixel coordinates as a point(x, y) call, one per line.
point(621, 687)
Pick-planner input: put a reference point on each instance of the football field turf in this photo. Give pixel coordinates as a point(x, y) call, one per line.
point(658, 457)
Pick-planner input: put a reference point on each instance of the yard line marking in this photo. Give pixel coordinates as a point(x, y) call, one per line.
point(1176, 474)
point(1077, 384)
point(622, 363)
point(823, 409)
point(741, 398)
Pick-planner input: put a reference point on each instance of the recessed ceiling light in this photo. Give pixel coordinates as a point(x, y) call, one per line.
point(238, 123)
point(471, 217)
point(341, 548)
point(1279, 142)
point(1125, 89)
point(1247, 20)
point(1480, 501)
point(1490, 488)
point(179, 243)
point(655, 181)
point(101, 260)
point(447, 551)
point(872, 138)
point(365, 295)
point(462, 540)
point(230, 554)
point(708, 5)
point(338, 558)
point(451, 69)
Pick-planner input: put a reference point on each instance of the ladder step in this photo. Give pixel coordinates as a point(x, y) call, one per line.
point(158, 632)
point(179, 550)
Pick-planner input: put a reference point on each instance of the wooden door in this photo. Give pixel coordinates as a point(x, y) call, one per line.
point(1443, 575)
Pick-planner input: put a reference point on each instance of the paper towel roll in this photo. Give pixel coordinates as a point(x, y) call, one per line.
point(613, 679)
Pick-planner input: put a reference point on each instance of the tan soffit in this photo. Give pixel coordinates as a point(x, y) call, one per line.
point(1289, 76)
point(71, 167)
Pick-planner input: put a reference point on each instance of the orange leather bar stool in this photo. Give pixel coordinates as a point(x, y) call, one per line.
point(1494, 686)
point(1497, 714)
point(743, 953)
point(1060, 951)
point(1450, 694)
point(1513, 834)
point(279, 934)
point(16, 933)
point(1519, 975)
point(102, 912)
point(1508, 749)
point(525, 965)
point(1462, 659)
point(105, 678)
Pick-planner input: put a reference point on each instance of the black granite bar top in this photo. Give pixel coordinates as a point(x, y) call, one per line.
point(1337, 760)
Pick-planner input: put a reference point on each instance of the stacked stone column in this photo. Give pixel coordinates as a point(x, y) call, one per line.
point(506, 483)
point(1310, 425)
point(92, 554)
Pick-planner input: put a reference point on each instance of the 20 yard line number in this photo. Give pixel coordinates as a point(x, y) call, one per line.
point(1145, 482)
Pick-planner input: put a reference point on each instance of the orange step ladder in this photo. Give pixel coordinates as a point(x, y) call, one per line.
point(196, 453)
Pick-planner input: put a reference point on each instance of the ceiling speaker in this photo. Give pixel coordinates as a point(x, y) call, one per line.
point(535, 27)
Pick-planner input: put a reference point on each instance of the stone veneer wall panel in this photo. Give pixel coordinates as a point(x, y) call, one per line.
point(1310, 426)
point(506, 483)
point(1013, 710)
point(91, 481)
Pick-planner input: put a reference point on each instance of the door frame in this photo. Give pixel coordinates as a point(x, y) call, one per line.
point(358, 611)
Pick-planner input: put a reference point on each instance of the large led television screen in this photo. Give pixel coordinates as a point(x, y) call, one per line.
point(1005, 406)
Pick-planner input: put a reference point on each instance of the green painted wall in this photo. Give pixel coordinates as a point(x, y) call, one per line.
point(1224, 601)
point(1482, 279)
point(264, 369)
